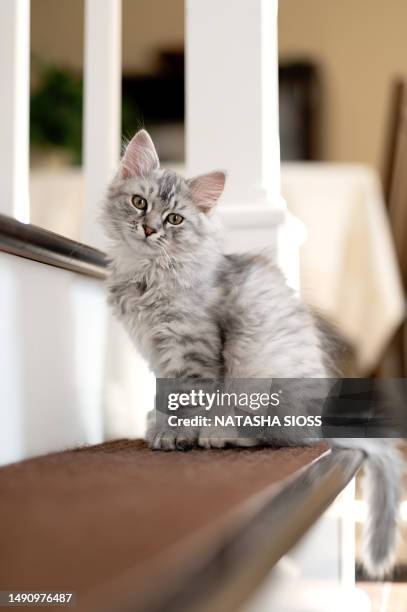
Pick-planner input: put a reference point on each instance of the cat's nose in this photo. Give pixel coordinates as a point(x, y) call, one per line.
point(149, 230)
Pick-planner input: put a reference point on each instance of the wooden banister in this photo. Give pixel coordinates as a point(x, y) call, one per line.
point(32, 242)
point(128, 528)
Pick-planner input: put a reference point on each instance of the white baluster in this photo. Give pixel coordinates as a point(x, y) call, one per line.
point(124, 395)
point(14, 108)
point(102, 106)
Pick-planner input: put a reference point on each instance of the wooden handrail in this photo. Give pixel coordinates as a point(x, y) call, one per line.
point(240, 563)
point(32, 242)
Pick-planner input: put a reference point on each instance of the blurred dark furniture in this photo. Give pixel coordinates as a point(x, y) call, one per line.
point(158, 97)
point(299, 103)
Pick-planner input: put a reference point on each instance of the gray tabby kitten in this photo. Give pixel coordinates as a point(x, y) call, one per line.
point(194, 311)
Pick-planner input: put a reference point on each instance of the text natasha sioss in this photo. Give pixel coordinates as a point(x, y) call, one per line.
point(245, 421)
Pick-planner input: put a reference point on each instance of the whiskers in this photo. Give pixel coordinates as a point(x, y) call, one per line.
point(168, 260)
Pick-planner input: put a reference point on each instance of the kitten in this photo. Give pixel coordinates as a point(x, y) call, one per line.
point(195, 312)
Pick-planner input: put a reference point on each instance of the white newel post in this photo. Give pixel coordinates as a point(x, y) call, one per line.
point(14, 108)
point(232, 108)
point(232, 124)
point(102, 107)
point(232, 118)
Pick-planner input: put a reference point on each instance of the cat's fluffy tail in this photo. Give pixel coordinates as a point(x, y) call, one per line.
point(382, 487)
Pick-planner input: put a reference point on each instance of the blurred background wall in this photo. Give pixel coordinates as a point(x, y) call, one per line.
point(357, 47)
point(147, 25)
point(360, 47)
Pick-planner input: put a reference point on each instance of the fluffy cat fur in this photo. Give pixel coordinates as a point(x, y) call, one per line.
point(195, 312)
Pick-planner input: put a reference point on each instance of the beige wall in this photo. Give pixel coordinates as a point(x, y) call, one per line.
point(361, 46)
point(57, 31)
point(148, 25)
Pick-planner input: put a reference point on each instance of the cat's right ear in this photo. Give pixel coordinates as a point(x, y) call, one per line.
point(206, 189)
point(140, 157)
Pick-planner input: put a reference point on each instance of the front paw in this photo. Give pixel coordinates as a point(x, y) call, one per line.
point(160, 436)
point(170, 439)
point(219, 437)
point(222, 437)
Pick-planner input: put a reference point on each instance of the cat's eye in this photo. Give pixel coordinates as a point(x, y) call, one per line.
point(139, 202)
point(175, 219)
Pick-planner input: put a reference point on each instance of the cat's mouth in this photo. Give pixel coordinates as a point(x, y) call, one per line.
point(140, 234)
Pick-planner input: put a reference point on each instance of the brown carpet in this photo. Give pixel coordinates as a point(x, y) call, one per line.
point(117, 516)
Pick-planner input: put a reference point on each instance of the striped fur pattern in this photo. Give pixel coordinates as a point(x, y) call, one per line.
point(194, 311)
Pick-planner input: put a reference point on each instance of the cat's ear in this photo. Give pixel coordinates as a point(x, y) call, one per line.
point(140, 157)
point(206, 189)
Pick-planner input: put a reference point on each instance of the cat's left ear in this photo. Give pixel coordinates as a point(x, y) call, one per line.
point(206, 189)
point(140, 157)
